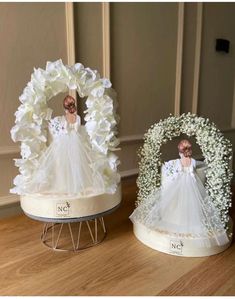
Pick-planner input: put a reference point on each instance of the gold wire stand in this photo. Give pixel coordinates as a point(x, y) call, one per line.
point(73, 236)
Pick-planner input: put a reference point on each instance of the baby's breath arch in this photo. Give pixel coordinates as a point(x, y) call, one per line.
point(33, 115)
point(216, 149)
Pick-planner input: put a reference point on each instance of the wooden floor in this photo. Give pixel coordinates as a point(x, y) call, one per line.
point(121, 265)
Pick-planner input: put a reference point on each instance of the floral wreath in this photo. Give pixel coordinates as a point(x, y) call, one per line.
point(216, 149)
point(33, 115)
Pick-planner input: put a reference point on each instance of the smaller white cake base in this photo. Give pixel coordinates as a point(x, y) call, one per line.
point(52, 208)
point(175, 246)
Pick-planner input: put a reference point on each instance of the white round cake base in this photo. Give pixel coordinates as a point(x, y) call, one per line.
point(176, 246)
point(59, 208)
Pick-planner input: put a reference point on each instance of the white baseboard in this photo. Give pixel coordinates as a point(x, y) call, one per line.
point(9, 150)
point(131, 138)
point(11, 199)
point(129, 172)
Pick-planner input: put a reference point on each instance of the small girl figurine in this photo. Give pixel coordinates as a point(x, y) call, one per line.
point(67, 165)
point(181, 207)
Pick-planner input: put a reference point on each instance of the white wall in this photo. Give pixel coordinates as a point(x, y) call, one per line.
point(30, 34)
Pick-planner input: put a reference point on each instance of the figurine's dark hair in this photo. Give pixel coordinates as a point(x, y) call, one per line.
point(69, 104)
point(185, 148)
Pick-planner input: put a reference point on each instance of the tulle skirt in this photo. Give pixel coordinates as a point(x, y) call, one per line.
point(67, 167)
point(183, 209)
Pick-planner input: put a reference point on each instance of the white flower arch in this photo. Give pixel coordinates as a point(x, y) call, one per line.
point(33, 115)
point(215, 148)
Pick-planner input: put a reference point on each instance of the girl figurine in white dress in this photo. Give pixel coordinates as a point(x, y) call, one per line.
point(67, 165)
point(181, 207)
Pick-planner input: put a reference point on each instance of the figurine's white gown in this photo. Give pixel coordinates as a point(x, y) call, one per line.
point(182, 208)
point(67, 165)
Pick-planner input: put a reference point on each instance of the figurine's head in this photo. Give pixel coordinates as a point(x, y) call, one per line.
point(69, 104)
point(185, 148)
